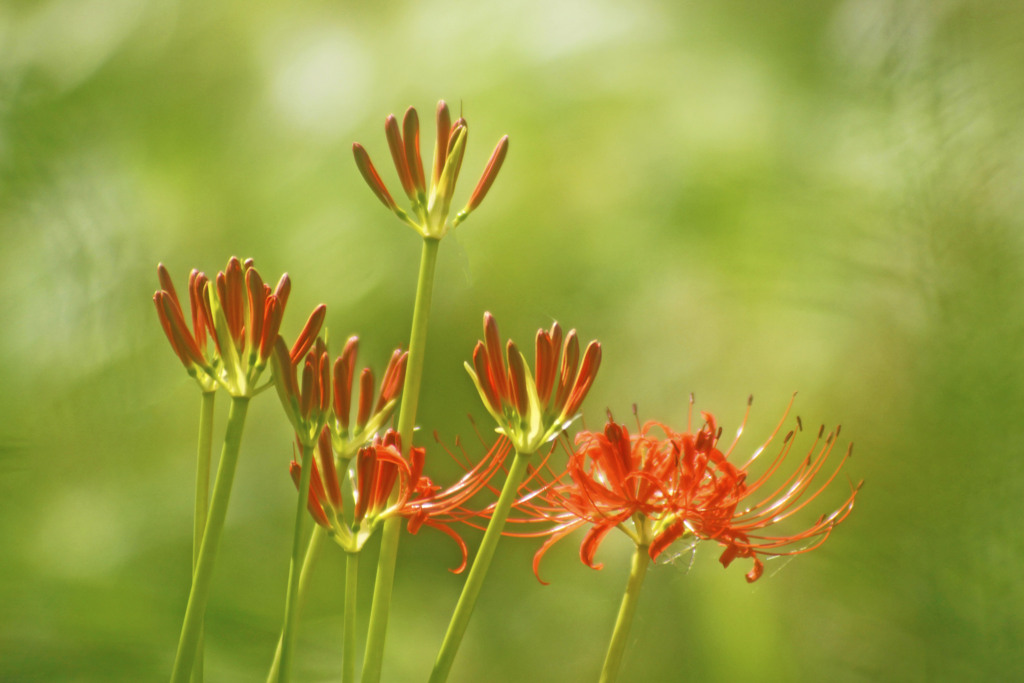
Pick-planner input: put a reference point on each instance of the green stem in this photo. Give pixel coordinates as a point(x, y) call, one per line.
point(201, 578)
point(381, 605)
point(291, 611)
point(617, 646)
point(477, 573)
point(348, 644)
point(312, 552)
point(203, 456)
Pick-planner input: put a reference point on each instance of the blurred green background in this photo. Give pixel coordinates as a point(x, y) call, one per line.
point(734, 197)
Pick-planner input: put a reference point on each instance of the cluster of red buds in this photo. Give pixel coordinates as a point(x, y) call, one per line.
point(430, 207)
point(241, 315)
point(532, 408)
point(307, 403)
point(349, 435)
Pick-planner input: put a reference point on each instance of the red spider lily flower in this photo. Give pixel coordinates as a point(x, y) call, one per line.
point(532, 408)
point(659, 487)
point(240, 313)
point(382, 484)
point(307, 404)
point(348, 435)
point(430, 209)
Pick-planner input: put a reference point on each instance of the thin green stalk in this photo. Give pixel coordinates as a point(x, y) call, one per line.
point(477, 573)
point(203, 455)
point(201, 578)
point(312, 552)
point(617, 646)
point(381, 605)
point(291, 611)
point(348, 643)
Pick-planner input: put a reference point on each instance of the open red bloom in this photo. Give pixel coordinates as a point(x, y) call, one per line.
point(660, 486)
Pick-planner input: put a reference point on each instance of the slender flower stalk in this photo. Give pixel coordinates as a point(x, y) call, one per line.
point(348, 643)
point(309, 559)
point(530, 409)
point(624, 621)
point(291, 604)
point(203, 456)
point(201, 578)
point(475, 580)
point(380, 608)
point(428, 217)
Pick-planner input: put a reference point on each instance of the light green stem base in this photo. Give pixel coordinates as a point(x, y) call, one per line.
point(477, 573)
point(617, 646)
point(312, 553)
point(291, 611)
point(201, 578)
point(348, 643)
point(384, 582)
point(204, 452)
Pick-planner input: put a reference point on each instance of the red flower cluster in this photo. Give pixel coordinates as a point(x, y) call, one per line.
point(348, 435)
point(242, 316)
point(661, 486)
point(430, 206)
point(306, 404)
point(387, 484)
point(532, 408)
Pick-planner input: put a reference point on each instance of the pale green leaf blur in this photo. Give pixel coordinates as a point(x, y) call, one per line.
point(735, 198)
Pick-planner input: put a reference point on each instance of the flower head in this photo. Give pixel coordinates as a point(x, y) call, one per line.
point(350, 433)
point(237, 311)
point(430, 209)
point(383, 483)
point(660, 486)
point(306, 403)
point(532, 408)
